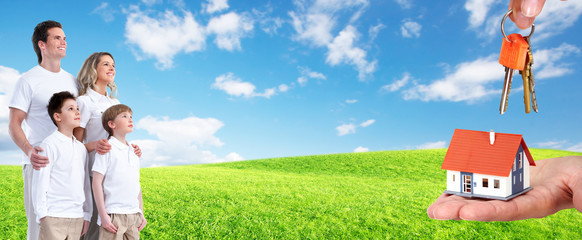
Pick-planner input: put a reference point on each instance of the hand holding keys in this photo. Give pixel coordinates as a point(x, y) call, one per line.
point(516, 54)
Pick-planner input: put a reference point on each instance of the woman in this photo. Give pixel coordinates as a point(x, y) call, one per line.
point(96, 75)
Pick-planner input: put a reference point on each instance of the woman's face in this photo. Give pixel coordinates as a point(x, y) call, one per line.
point(106, 69)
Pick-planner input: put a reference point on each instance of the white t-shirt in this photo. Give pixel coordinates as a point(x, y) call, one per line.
point(120, 168)
point(62, 188)
point(32, 93)
point(92, 105)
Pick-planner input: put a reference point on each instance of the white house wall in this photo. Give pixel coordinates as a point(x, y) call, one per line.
point(504, 185)
point(454, 186)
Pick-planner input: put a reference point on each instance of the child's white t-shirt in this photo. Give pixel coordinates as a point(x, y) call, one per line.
point(92, 105)
point(62, 188)
point(120, 168)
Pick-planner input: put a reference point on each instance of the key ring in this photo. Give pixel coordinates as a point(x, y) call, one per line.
point(503, 26)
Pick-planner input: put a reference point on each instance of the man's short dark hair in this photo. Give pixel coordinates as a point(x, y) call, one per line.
point(41, 34)
point(56, 103)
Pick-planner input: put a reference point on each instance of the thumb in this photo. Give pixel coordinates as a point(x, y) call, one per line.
point(577, 192)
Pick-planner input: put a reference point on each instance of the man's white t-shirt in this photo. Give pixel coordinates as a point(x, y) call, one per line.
point(32, 94)
point(120, 168)
point(92, 105)
point(62, 188)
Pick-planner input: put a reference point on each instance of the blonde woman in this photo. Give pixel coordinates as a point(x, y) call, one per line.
point(96, 76)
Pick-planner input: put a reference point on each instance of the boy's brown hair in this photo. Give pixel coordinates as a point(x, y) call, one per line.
point(56, 103)
point(111, 113)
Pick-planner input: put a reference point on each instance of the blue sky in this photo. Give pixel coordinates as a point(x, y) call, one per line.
point(219, 80)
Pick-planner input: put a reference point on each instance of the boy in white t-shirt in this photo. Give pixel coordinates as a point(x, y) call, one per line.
point(61, 190)
point(116, 185)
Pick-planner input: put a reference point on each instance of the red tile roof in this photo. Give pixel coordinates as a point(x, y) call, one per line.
point(470, 151)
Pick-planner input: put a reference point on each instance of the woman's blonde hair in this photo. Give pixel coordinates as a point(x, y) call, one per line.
point(87, 76)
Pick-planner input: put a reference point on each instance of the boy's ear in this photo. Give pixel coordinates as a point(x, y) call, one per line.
point(111, 124)
point(57, 117)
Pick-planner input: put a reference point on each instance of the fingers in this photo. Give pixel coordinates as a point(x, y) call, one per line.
point(103, 146)
point(143, 223)
point(38, 161)
point(110, 228)
point(85, 227)
point(525, 12)
point(137, 150)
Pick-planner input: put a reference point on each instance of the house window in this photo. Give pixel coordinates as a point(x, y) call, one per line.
point(496, 183)
point(514, 166)
point(485, 182)
point(513, 179)
point(520, 160)
point(520, 178)
point(454, 177)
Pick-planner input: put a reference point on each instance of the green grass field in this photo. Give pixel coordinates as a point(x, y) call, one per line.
point(378, 195)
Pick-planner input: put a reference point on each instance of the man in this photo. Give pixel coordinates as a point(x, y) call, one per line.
point(28, 104)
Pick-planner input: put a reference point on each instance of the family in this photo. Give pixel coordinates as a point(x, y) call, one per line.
point(81, 177)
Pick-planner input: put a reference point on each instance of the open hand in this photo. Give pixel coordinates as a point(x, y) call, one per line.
point(557, 185)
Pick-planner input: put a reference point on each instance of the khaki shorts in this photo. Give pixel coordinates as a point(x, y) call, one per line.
point(127, 225)
point(60, 228)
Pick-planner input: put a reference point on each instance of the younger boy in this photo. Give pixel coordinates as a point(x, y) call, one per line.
point(61, 190)
point(116, 185)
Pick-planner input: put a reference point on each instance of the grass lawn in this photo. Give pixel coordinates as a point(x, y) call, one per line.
point(340, 196)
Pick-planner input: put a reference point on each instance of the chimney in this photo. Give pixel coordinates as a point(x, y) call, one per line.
point(491, 137)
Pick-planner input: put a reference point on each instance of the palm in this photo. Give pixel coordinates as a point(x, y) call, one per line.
point(553, 181)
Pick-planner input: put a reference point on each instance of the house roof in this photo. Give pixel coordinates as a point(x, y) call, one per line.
point(470, 151)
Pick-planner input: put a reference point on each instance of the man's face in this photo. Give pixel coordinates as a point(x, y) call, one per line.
point(55, 46)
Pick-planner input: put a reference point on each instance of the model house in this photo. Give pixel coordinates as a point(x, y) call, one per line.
point(487, 165)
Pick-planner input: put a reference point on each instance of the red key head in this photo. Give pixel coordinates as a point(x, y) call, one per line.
point(513, 53)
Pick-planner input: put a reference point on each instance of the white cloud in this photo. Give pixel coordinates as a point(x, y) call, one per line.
point(478, 10)
point(556, 17)
point(180, 141)
point(410, 28)
point(314, 24)
point(151, 2)
point(215, 6)
point(361, 149)
point(351, 101)
point(374, 30)
point(105, 12)
point(8, 78)
point(163, 36)
point(229, 29)
point(307, 74)
point(283, 88)
point(191, 130)
point(470, 82)
point(368, 123)
point(552, 144)
point(345, 129)
point(575, 148)
point(405, 4)
point(546, 61)
point(233, 157)
point(395, 86)
point(432, 145)
point(235, 86)
point(342, 50)
point(268, 24)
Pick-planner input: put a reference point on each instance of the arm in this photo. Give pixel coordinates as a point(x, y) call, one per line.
point(88, 205)
point(40, 186)
point(557, 185)
point(100, 202)
point(143, 220)
point(101, 146)
point(17, 116)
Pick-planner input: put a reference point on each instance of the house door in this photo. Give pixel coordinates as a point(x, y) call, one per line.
point(467, 182)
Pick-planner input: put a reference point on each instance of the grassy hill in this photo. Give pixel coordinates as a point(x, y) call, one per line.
point(340, 196)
